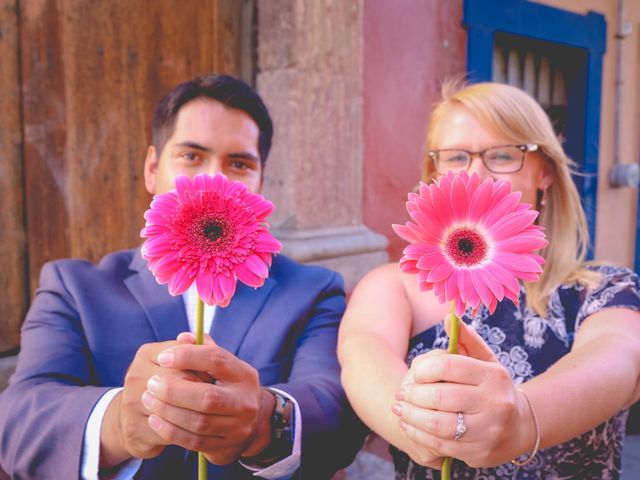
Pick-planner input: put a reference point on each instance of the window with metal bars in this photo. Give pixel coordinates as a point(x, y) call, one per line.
point(556, 56)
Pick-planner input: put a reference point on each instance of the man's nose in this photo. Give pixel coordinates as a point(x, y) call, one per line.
point(214, 166)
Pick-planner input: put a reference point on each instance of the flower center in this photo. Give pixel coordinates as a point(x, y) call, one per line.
point(213, 230)
point(466, 247)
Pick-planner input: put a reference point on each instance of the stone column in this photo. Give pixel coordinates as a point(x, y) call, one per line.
point(310, 61)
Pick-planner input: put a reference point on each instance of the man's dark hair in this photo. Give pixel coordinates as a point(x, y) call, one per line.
point(229, 91)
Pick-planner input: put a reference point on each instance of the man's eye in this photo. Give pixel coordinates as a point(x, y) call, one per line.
point(239, 165)
point(190, 156)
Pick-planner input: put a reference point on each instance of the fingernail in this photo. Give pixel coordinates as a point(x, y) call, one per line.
point(400, 395)
point(185, 336)
point(165, 358)
point(403, 425)
point(154, 422)
point(153, 384)
point(147, 399)
point(397, 409)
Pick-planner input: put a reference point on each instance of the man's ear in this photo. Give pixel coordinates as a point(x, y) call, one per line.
point(150, 169)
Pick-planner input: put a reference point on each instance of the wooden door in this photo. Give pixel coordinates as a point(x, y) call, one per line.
point(79, 82)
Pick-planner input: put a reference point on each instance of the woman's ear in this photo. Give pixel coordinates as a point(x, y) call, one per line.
point(545, 180)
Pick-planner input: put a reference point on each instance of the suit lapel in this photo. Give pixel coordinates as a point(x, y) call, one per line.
point(165, 313)
point(231, 324)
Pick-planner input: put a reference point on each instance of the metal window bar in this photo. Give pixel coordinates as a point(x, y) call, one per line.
point(535, 71)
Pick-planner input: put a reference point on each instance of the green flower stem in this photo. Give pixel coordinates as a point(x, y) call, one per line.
point(445, 474)
point(202, 461)
point(199, 322)
point(202, 467)
point(455, 329)
point(453, 348)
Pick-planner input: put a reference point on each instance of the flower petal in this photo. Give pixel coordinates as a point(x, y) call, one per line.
point(265, 242)
point(247, 277)
point(459, 199)
point(519, 262)
point(256, 265)
point(480, 200)
point(480, 285)
point(180, 283)
point(512, 223)
point(505, 206)
point(508, 280)
point(451, 290)
point(522, 243)
point(439, 272)
point(227, 285)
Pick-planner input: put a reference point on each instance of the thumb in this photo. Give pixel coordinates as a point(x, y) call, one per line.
point(470, 343)
point(188, 338)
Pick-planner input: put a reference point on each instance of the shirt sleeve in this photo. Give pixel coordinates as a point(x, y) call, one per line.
point(288, 465)
point(91, 445)
point(619, 287)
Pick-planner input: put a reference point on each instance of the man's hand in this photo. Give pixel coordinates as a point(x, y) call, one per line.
point(125, 429)
point(222, 419)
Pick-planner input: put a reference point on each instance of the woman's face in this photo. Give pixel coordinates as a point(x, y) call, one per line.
point(460, 129)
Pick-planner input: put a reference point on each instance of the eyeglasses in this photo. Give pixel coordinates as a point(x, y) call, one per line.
point(499, 159)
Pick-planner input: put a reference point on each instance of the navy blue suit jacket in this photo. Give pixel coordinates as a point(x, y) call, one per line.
point(87, 322)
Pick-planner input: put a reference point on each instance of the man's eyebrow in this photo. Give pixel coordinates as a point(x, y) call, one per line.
point(244, 155)
point(197, 146)
point(194, 145)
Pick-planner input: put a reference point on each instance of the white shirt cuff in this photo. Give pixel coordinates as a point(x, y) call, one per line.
point(91, 444)
point(287, 466)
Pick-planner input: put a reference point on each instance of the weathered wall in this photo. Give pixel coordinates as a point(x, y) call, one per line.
point(410, 47)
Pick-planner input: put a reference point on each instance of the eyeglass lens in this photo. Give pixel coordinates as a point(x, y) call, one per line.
point(505, 159)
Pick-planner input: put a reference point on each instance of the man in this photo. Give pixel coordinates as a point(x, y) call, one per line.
point(95, 327)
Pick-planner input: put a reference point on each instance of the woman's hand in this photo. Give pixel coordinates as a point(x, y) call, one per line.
point(438, 385)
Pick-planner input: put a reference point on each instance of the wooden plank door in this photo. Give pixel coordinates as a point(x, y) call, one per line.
point(82, 82)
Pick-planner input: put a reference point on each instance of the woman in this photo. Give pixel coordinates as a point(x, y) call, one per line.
point(554, 405)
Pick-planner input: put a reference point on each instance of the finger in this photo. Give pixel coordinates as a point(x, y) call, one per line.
point(189, 420)
point(448, 368)
point(196, 396)
point(447, 397)
point(178, 436)
point(433, 422)
point(470, 343)
point(409, 377)
point(149, 351)
point(186, 338)
point(214, 360)
point(439, 446)
point(190, 339)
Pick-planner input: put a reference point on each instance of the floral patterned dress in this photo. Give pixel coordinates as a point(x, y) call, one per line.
point(527, 345)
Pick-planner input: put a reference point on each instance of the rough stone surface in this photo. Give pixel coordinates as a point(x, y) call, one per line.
point(310, 64)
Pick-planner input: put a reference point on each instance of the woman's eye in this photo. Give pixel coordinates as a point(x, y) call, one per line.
point(457, 158)
point(503, 155)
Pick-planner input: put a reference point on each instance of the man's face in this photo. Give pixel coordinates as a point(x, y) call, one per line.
point(208, 138)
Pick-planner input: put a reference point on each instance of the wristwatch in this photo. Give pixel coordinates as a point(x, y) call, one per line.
point(281, 443)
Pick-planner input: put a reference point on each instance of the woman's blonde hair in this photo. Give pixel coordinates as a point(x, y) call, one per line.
point(514, 115)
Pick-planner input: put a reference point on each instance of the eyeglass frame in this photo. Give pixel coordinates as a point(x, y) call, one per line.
point(524, 148)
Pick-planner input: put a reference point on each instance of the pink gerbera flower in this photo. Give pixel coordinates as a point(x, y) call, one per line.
point(211, 231)
point(471, 241)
